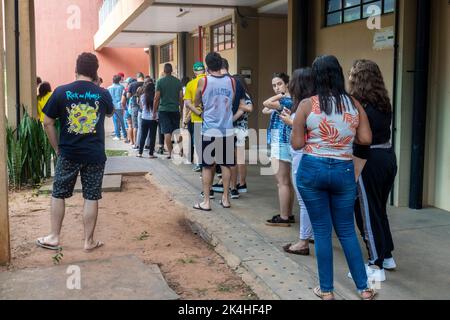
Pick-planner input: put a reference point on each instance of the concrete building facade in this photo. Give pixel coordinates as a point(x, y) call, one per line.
point(64, 29)
point(274, 36)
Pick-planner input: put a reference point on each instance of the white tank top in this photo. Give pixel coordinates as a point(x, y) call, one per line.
point(218, 95)
point(331, 136)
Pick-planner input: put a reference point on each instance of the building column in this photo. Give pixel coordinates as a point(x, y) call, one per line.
point(27, 59)
point(5, 254)
point(182, 54)
point(10, 62)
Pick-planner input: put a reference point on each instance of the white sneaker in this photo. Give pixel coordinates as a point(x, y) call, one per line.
point(116, 139)
point(373, 274)
point(389, 264)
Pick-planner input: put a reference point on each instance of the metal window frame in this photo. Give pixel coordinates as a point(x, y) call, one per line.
point(343, 9)
point(163, 56)
point(216, 33)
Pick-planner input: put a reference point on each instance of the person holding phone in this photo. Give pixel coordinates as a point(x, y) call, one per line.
point(279, 139)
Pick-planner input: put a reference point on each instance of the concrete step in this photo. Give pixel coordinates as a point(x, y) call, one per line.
point(111, 183)
point(118, 278)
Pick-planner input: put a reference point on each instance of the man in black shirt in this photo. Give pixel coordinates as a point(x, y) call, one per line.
point(81, 108)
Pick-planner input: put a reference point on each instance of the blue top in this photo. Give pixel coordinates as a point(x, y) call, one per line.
point(116, 92)
point(81, 108)
point(279, 132)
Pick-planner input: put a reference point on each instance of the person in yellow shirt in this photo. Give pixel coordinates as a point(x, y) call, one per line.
point(44, 93)
point(194, 119)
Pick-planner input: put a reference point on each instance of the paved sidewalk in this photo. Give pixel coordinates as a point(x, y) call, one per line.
point(421, 238)
point(240, 235)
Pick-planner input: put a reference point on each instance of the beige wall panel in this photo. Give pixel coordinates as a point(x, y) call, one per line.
point(273, 47)
point(437, 181)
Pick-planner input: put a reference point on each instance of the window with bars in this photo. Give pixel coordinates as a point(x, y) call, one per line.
point(166, 53)
point(343, 11)
point(223, 36)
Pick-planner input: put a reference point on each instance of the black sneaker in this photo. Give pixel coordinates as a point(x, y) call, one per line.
point(235, 194)
point(160, 151)
point(218, 188)
point(197, 168)
point(277, 221)
point(242, 189)
point(211, 194)
point(292, 219)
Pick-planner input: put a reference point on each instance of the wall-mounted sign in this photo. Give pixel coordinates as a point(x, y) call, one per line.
point(384, 39)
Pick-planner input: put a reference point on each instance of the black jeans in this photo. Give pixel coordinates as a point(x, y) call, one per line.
point(148, 127)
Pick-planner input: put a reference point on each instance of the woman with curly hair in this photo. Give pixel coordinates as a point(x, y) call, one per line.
point(378, 173)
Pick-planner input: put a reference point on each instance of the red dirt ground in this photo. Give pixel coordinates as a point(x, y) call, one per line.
point(190, 266)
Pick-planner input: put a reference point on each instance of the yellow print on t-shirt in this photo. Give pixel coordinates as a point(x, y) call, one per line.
point(83, 118)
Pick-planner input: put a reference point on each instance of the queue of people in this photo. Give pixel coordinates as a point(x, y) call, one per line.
point(330, 149)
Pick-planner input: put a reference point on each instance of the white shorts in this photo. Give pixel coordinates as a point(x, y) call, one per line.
point(241, 136)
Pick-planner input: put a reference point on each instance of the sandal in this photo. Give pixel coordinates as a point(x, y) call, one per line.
point(277, 221)
point(198, 206)
point(301, 252)
point(224, 206)
point(41, 243)
point(372, 292)
point(324, 295)
point(98, 245)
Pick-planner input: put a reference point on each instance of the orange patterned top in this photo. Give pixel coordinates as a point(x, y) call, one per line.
point(331, 136)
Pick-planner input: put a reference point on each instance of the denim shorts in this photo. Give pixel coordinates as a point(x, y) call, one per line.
point(66, 174)
point(281, 151)
point(135, 117)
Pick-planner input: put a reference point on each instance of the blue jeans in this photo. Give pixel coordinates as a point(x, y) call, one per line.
point(119, 123)
point(328, 189)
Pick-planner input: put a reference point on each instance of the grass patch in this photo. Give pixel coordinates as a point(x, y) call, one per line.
point(223, 287)
point(144, 236)
point(116, 153)
point(187, 260)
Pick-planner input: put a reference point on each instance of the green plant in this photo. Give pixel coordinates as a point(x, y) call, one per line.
point(58, 257)
point(187, 260)
point(116, 153)
point(144, 236)
point(29, 153)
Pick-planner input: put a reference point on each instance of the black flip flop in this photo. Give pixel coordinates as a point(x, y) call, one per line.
point(199, 207)
point(223, 206)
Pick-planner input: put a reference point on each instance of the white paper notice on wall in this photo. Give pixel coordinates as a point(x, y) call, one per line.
point(384, 39)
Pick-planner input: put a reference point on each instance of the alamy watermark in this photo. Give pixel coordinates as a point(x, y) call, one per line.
point(74, 280)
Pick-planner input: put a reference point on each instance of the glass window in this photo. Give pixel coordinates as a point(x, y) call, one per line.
point(166, 53)
point(342, 11)
point(368, 13)
point(334, 5)
point(223, 36)
point(352, 14)
point(334, 19)
point(389, 6)
point(351, 3)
